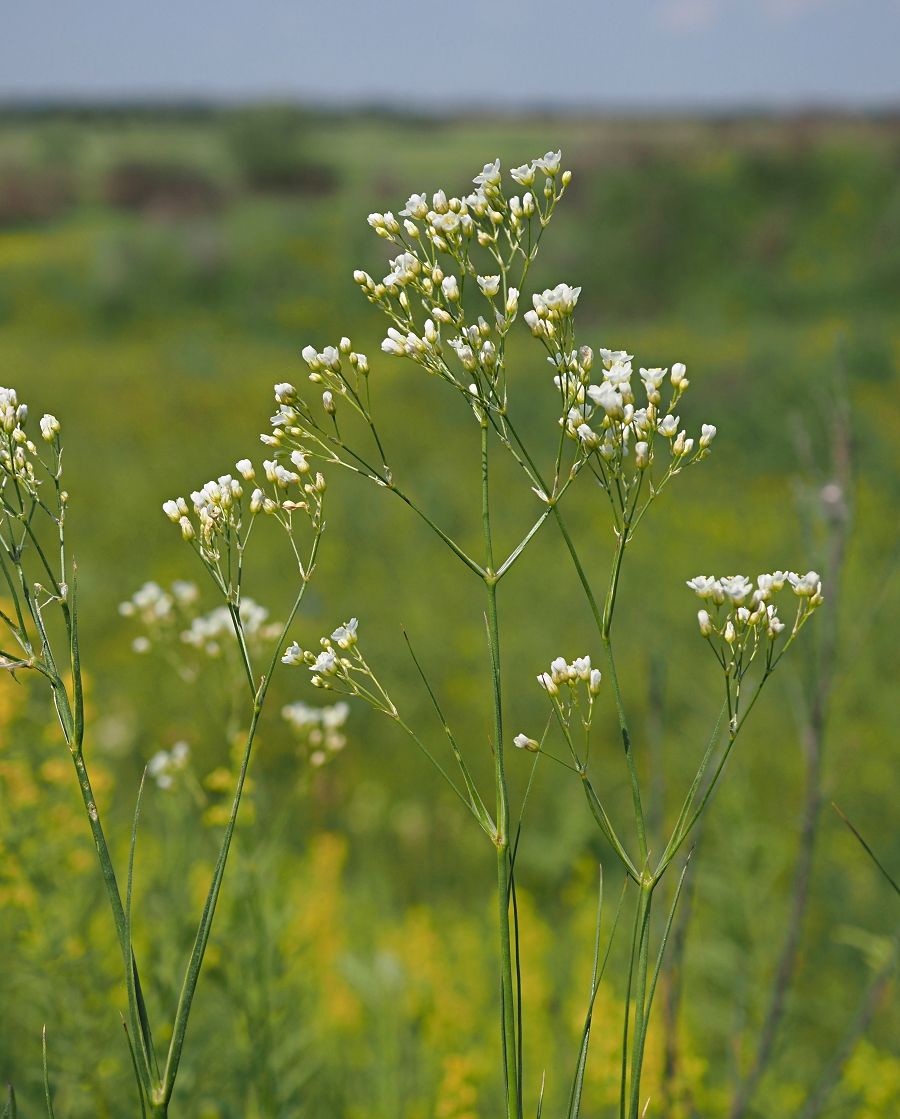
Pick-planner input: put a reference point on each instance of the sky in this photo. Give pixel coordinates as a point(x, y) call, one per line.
point(425, 54)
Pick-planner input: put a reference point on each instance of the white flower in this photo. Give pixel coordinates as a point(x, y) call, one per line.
point(49, 427)
point(326, 663)
point(618, 373)
point(765, 585)
point(736, 587)
point(704, 585)
point(450, 288)
point(806, 585)
point(245, 469)
point(707, 434)
point(490, 175)
point(523, 175)
point(581, 666)
point(706, 626)
point(416, 207)
point(594, 682)
point(512, 301)
point(588, 436)
point(642, 455)
point(309, 355)
point(533, 323)
point(610, 357)
point(556, 302)
point(559, 670)
point(550, 163)
point(299, 460)
point(547, 683)
point(678, 373)
point(490, 285)
point(345, 635)
point(171, 510)
point(775, 626)
point(668, 426)
point(141, 644)
point(653, 378)
point(294, 655)
point(608, 399)
point(392, 346)
point(526, 743)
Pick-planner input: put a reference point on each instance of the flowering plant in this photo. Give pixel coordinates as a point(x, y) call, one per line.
point(451, 298)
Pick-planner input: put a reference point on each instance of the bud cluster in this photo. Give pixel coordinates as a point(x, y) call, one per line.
point(604, 420)
point(219, 505)
point(340, 667)
point(565, 683)
point(438, 240)
point(18, 454)
point(744, 616)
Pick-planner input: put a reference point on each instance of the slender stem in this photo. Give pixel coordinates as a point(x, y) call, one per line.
point(502, 841)
point(641, 1010)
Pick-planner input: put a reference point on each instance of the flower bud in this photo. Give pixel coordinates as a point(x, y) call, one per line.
point(171, 510)
point(49, 428)
point(187, 529)
point(729, 632)
point(526, 743)
point(450, 287)
point(678, 371)
point(707, 434)
point(547, 683)
point(706, 626)
point(245, 469)
point(594, 681)
point(328, 403)
point(642, 455)
point(299, 460)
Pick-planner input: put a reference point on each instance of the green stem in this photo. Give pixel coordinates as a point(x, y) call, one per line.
point(641, 1009)
point(513, 1106)
point(604, 622)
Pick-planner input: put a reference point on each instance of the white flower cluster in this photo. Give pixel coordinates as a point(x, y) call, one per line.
point(206, 629)
point(743, 615)
point(219, 504)
point(166, 764)
point(159, 610)
point(436, 241)
point(172, 614)
point(561, 673)
point(318, 727)
point(218, 507)
point(562, 683)
point(339, 370)
point(340, 667)
point(18, 454)
point(612, 403)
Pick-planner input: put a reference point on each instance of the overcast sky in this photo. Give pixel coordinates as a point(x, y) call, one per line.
point(489, 53)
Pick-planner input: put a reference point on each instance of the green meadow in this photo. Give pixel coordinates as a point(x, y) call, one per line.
point(160, 271)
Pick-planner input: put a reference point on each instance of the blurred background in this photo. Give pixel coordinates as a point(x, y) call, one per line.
point(183, 194)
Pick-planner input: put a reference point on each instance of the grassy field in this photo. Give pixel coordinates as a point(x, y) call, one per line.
point(159, 271)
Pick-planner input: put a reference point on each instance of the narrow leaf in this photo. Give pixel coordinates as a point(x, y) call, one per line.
point(46, 1074)
point(867, 849)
